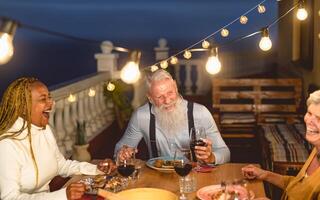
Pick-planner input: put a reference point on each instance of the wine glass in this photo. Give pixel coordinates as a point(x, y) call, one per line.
point(183, 166)
point(125, 168)
point(197, 136)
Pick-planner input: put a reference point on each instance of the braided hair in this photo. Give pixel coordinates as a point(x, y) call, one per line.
point(16, 102)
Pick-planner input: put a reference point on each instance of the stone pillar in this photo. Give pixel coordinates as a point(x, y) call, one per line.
point(162, 51)
point(107, 61)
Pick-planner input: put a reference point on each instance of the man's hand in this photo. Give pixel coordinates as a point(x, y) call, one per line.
point(107, 166)
point(204, 153)
point(75, 191)
point(126, 152)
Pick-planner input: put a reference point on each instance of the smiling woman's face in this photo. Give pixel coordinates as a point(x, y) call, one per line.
point(41, 104)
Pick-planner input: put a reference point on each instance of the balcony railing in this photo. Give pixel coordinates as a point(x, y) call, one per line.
point(91, 109)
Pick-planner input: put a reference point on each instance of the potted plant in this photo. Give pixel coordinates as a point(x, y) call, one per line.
point(118, 96)
point(80, 148)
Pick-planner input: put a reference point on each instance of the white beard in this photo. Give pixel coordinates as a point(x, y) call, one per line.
point(172, 122)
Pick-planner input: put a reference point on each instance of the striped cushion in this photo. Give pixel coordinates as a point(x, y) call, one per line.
point(287, 142)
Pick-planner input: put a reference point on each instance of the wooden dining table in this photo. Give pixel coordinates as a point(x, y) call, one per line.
point(228, 172)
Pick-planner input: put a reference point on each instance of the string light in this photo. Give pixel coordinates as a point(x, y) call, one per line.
point(111, 86)
point(72, 98)
point(213, 65)
point(205, 44)
point(187, 54)
point(130, 72)
point(302, 13)
point(261, 9)
point(243, 19)
point(224, 32)
point(7, 31)
point(265, 43)
point(164, 64)
point(154, 68)
point(91, 92)
point(173, 60)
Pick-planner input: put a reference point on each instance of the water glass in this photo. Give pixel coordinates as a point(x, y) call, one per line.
point(188, 183)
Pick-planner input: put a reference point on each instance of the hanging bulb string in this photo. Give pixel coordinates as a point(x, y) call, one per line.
point(234, 40)
point(70, 37)
point(239, 39)
point(282, 16)
point(59, 34)
point(214, 33)
point(258, 32)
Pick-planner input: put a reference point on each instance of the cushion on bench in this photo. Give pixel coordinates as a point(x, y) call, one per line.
point(287, 142)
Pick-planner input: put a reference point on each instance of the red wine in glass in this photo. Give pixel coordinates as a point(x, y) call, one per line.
point(183, 169)
point(126, 170)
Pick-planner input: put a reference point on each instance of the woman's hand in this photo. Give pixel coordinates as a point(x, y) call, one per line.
point(107, 166)
point(126, 152)
point(204, 153)
point(75, 191)
point(253, 172)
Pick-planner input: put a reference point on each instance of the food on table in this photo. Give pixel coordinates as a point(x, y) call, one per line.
point(160, 163)
point(99, 181)
point(114, 184)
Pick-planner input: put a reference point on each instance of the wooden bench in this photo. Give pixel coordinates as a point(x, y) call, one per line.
point(240, 105)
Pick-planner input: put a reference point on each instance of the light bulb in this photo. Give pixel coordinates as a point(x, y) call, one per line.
point(319, 35)
point(187, 54)
point(243, 19)
point(72, 98)
point(205, 44)
point(130, 73)
point(213, 65)
point(91, 92)
point(261, 9)
point(164, 64)
point(154, 68)
point(6, 48)
point(224, 32)
point(265, 44)
point(173, 60)
point(302, 14)
point(111, 87)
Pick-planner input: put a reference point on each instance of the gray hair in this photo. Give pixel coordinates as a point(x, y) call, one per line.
point(158, 75)
point(314, 98)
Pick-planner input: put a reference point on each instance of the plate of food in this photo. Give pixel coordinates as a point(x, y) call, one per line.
point(162, 164)
point(216, 192)
point(110, 183)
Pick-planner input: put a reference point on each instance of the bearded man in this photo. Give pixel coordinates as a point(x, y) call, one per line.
point(167, 120)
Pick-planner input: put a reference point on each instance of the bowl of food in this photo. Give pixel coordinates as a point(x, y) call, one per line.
point(147, 194)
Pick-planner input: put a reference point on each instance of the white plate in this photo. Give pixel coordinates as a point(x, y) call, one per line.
point(206, 193)
point(151, 161)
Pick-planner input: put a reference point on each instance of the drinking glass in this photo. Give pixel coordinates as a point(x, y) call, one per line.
point(125, 168)
point(183, 166)
point(197, 136)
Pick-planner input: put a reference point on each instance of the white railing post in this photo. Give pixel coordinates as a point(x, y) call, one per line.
point(161, 51)
point(59, 125)
point(68, 125)
point(107, 61)
point(188, 83)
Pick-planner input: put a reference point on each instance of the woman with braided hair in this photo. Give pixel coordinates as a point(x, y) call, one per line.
point(29, 155)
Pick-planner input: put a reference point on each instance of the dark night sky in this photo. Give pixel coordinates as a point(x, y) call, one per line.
point(134, 24)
